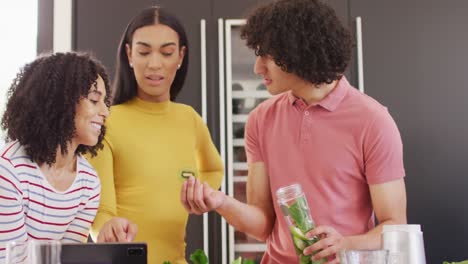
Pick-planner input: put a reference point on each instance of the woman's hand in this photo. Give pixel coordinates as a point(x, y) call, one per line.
point(117, 230)
point(330, 244)
point(199, 198)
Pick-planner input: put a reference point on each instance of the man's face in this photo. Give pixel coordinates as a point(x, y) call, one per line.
point(274, 78)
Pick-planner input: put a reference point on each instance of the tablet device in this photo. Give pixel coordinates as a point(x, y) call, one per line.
point(104, 253)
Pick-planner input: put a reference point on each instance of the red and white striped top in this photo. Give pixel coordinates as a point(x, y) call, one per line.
point(30, 208)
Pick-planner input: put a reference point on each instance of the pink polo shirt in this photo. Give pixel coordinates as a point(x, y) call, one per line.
point(334, 150)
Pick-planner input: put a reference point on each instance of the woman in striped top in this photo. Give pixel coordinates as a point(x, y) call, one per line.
point(55, 113)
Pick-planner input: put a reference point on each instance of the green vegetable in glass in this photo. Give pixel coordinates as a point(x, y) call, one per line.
point(293, 205)
point(299, 211)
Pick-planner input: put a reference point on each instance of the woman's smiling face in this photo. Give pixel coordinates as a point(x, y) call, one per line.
point(91, 113)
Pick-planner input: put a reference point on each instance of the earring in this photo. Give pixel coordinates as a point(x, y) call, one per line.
point(131, 65)
point(178, 66)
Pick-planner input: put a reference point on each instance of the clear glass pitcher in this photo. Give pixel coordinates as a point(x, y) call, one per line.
point(34, 252)
point(380, 256)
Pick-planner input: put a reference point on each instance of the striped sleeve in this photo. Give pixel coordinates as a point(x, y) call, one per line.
point(78, 229)
point(12, 221)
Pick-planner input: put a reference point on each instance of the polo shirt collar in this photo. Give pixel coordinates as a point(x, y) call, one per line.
point(332, 100)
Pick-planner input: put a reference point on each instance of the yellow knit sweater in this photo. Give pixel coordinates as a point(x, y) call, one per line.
point(146, 149)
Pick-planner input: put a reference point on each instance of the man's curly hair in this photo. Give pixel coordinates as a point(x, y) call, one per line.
point(42, 103)
point(304, 37)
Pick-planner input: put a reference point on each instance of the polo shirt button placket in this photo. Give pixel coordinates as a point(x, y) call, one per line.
point(306, 126)
point(304, 134)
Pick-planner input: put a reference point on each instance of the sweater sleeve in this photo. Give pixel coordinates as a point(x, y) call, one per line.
point(209, 163)
point(12, 222)
point(104, 165)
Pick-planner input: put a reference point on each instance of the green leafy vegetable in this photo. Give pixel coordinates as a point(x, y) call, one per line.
point(462, 262)
point(199, 257)
point(298, 211)
point(303, 259)
point(307, 259)
point(237, 261)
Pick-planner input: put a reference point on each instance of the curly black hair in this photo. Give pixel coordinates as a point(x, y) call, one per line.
point(42, 102)
point(304, 37)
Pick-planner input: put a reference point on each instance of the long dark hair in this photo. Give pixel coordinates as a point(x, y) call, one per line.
point(42, 102)
point(125, 85)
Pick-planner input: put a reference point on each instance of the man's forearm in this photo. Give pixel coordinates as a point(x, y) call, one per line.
point(247, 218)
point(371, 239)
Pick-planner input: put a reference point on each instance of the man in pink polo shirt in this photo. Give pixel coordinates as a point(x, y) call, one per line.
point(342, 146)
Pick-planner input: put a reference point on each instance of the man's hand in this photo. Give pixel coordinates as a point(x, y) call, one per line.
point(199, 198)
point(330, 244)
point(118, 230)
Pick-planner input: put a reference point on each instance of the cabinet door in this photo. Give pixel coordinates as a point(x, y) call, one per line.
point(45, 26)
point(226, 9)
point(341, 8)
point(415, 63)
point(98, 26)
point(241, 8)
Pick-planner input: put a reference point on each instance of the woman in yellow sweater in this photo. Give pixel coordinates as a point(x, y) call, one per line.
point(152, 144)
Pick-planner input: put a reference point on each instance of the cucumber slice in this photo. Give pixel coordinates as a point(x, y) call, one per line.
point(299, 243)
point(296, 232)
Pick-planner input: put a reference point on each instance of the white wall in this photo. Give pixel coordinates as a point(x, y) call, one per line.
point(18, 28)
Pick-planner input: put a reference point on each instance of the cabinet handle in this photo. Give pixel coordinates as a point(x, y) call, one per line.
point(204, 104)
point(222, 128)
point(204, 107)
point(360, 67)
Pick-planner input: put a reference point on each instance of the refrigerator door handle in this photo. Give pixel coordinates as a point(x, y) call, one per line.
point(222, 128)
point(229, 174)
point(204, 104)
point(360, 65)
point(204, 107)
point(228, 29)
